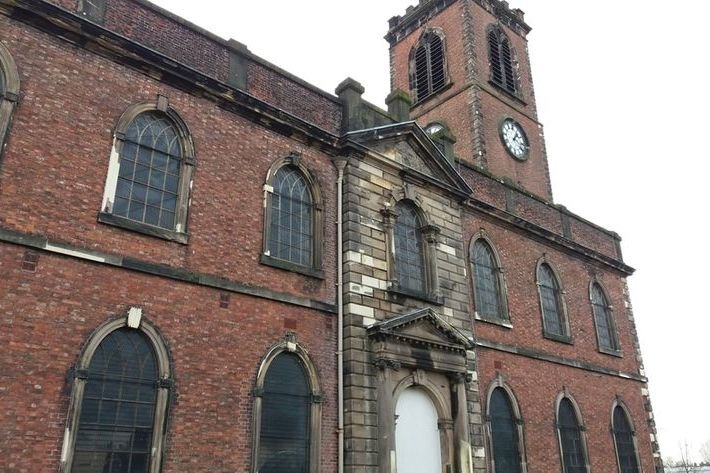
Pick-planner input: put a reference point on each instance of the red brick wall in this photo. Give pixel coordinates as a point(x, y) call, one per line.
point(59, 148)
point(47, 316)
point(536, 386)
point(519, 255)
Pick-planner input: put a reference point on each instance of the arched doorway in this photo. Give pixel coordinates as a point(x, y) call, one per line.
point(417, 433)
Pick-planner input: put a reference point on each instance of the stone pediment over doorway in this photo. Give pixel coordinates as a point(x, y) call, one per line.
point(421, 338)
point(411, 149)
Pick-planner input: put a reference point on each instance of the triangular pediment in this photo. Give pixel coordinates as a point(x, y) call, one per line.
point(407, 145)
point(422, 326)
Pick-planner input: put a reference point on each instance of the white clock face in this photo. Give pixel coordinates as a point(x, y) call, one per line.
point(514, 138)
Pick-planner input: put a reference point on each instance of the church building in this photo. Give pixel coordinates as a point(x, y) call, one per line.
point(208, 264)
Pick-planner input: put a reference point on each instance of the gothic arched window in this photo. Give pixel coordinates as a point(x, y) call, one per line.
point(9, 92)
point(624, 441)
point(603, 320)
point(574, 457)
point(428, 66)
point(552, 305)
point(293, 223)
point(119, 402)
point(490, 303)
point(287, 413)
point(149, 174)
point(504, 433)
point(500, 57)
point(409, 248)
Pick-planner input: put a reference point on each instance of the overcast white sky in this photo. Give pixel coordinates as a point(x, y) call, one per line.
point(622, 89)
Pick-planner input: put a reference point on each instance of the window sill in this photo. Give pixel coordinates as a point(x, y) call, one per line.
point(558, 338)
point(507, 93)
point(611, 352)
point(433, 94)
point(289, 266)
point(494, 321)
point(138, 227)
point(400, 292)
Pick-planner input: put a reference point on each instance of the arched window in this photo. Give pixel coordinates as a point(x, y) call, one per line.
point(603, 320)
point(427, 66)
point(504, 433)
point(500, 57)
point(291, 235)
point(287, 413)
point(149, 174)
point(553, 315)
point(490, 303)
point(625, 443)
point(572, 442)
point(409, 248)
point(119, 402)
point(9, 92)
point(293, 223)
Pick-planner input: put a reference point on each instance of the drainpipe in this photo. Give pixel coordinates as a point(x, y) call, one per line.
point(340, 163)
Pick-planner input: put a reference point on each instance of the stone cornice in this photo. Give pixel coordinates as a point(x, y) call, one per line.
point(85, 34)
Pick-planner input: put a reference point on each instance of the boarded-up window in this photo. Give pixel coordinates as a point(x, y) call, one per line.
point(504, 433)
point(624, 439)
point(573, 456)
point(285, 418)
point(118, 408)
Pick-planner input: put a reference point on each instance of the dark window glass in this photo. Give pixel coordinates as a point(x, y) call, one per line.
point(291, 232)
point(487, 283)
point(500, 56)
point(571, 436)
point(602, 318)
point(149, 172)
point(117, 412)
point(551, 301)
point(285, 418)
point(625, 448)
point(504, 433)
point(409, 248)
point(3, 87)
point(429, 74)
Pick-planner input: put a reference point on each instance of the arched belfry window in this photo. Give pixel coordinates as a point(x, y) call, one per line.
point(293, 223)
point(9, 92)
point(554, 318)
point(505, 433)
point(148, 183)
point(603, 320)
point(287, 413)
point(488, 284)
point(625, 441)
point(501, 60)
point(119, 402)
point(427, 65)
point(572, 439)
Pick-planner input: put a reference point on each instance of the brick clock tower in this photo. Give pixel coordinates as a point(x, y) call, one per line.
point(465, 64)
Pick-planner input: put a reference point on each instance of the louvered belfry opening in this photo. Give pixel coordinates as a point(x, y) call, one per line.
point(429, 71)
point(500, 56)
